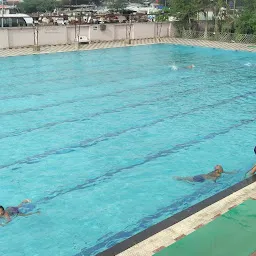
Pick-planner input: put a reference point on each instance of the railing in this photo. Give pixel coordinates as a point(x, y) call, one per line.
point(222, 37)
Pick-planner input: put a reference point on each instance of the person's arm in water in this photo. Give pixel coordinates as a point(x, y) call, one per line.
point(212, 176)
point(7, 221)
point(28, 214)
point(233, 172)
point(253, 170)
point(216, 174)
point(7, 217)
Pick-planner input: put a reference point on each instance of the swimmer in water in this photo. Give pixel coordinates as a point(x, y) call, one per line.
point(253, 170)
point(190, 67)
point(173, 67)
point(15, 211)
point(214, 175)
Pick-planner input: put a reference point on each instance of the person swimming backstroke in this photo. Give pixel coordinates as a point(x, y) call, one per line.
point(214, 175)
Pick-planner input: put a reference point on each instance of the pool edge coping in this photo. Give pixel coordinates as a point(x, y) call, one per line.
point(176, 218)
point(28, 51)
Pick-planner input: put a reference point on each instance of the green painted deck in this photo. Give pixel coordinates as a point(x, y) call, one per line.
point(231, 234)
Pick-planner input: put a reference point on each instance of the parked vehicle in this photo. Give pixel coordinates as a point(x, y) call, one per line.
point(12, 18)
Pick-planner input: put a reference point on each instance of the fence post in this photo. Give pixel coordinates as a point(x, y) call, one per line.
point(114, 33)
point(128, 31)
point(169, 29)
point(36, 47)
point(8, 38)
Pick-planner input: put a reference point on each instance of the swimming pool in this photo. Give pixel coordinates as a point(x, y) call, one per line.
point(94, 138)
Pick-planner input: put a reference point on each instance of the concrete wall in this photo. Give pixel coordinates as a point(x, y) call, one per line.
point(20, 37)
point(4, 38)
point(51, 35)
point(144, 30)
point(120, 32)
point(165, 30)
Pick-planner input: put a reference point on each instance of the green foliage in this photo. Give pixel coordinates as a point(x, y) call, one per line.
point(183, 9)
point(30, 6)
point(163, 15)
point(187, 9)
point(249, 5)
point(246, 23)
point(66, 2)
point(117, 5)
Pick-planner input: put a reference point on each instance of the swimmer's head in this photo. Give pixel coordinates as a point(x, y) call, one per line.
point(218, 169)
point(255, 150)
point(2, 211)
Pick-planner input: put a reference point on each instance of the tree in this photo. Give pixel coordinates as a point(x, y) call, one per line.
point(66, 2)
point(246, 21)
point(215, 7)
point(30, 6)
point(183, 10)
point(117, 5)
point(163, 15)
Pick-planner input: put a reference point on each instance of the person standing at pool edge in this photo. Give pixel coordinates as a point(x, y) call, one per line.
point(214, 175)
point(253, 170)
point(16, 211)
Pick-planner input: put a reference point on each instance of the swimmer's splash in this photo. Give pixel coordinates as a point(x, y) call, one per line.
point(174, 67)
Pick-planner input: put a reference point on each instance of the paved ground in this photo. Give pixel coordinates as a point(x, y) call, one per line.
point(113, 44)
point(233, 233)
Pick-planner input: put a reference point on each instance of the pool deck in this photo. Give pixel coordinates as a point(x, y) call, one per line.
point(115, 44)
point(232, 233)
point(185, 227)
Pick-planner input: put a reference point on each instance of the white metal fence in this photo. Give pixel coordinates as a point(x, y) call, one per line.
point(222, 37)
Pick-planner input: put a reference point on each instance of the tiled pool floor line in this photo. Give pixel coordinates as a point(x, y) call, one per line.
point(114, 44)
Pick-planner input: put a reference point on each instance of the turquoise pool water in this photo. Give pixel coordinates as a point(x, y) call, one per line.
point(94, 139)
